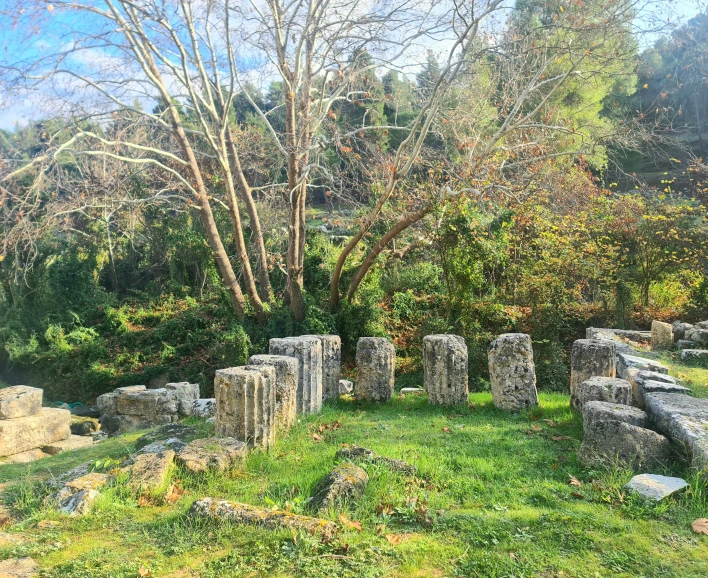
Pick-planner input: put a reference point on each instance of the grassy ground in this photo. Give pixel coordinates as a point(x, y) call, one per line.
point(491, 498)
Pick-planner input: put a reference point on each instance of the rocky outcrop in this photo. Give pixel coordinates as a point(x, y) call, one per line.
point(356, 453)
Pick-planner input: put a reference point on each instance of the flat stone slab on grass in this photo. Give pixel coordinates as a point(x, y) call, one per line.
point(345, 482)
point(20, 401)
point(173, 444)
point(19, 568)
point(165, 432)
point(149, 472)
point(684, 420)
point(77, 496)
point(694, 355)
point(357, 453)
point(212, 454)
point(225, 511)
point(27, 433)
point(596, 411)
point(655, 487)
point(71, 443)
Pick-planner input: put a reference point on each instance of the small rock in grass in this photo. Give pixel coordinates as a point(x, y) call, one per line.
point(236, 513)
point(173, 444)
point(655, 487)
point(345, 387)
point(405, 390)
point(19, 568)
point(165, 432)
point(212, 454)
point(345, 482)
point(77, 496)
point(356, 453)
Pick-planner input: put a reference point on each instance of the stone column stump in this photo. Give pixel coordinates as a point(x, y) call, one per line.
point(376, 365)
point(662, 335)
point(308, 350)
point(245, 404)
point(512, 372)
point(445, 369)
point(286, 380)
point(331, 365)
point(590, 358)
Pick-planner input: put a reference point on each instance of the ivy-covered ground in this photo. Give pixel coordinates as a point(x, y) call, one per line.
point(492, 497)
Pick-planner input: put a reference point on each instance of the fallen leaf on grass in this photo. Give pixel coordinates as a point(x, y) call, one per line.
point(175, 494)
point(394, 539)
point(577, 495)
point(144, 572)
point(560, 438)
point(573, 481)
point(551, 423)
point(317, 438)
point(700, 526)
point(352, 524)
point(47, 524)
point(446, 429)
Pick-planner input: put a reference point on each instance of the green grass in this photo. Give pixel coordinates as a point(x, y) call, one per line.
point(491, 498)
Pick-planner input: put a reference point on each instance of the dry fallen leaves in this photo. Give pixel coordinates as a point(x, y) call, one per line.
point(144, 572)
point(347, 523)
point(394, 539)
point(560, 438)
point(47, 524)
point(317, 438)
point(446, 429)
point(573, 481)
point(175, 494)
point(700, 526)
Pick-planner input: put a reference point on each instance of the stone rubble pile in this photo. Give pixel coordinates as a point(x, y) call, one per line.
point(29, 431)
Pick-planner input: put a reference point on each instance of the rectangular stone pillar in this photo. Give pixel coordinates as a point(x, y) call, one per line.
point(445, 369)
point(265, 405)
point(376, 366)
point(308, 350)
point(331, 365)
point(286, 380)
point(589, 358)
point(512, 372)
point(662, 336)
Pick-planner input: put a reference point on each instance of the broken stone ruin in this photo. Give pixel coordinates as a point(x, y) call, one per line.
point(512, 373)
point(376, 367)
point(445, 369)
point(29, 431)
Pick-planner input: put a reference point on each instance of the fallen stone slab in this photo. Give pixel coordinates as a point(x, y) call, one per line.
point(27, 433)
point(610, 389)
point(25, 457)
point(204, 408)
point(150, 472)
point(165, 432)
point(19, 568)
point(686, 344)
point(357, 453)
point(643, 337)
point(655, 487)
point(624, 362)
point(644, 382)
point(20, 401)
point(414, 390)
point(344, 483)
point(345, 387)
point(78, 495)
point(612, 442)
point(235, 513)
point(684, 420)
point(697, 334)
point(173, 444)
point(69, 444)
point(656, 376)
point(84, 426)
point(218, 454)
point(694, 355)
point(597, 411)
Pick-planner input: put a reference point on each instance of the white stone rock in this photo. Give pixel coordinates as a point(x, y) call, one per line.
point(655, 487)
point(345, 387)
point(204, 408)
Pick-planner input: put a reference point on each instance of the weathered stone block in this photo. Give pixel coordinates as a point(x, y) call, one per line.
point(662, 335)
point(148, 402)
point(684, 419)
point(26, 433)
point(308, 350)
point(655, 487)
point(694, 355)
point(345, 482)
point(113, 424)
point(204, 408)
point(356, 453)
point(245, 404)
point(644, 382)
point(149, 473)
point(625, 361)
point(331, 364)
point(697, 334)
point(376, 367)
point(589, 358)
point(610, 389)
point(69, 444)
point(77, 495)
point(445, 369)
point(217, 454)
point(25, 458)
point(106, 403)
point(596, 411)
point(680, 328)
point(614, 442)
point(512, 373)
point(286, 384)
point(685, 344)
point(20, 401)
point(187, 393)
point(345, 387)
